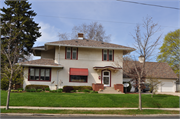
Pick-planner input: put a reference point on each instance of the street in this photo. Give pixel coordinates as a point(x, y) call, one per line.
point(86, 117)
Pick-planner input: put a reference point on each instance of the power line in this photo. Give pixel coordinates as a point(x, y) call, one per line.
point(95, 20)
point(149, 4)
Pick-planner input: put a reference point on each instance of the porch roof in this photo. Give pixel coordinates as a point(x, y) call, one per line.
point(41, 63)
point(106, 67)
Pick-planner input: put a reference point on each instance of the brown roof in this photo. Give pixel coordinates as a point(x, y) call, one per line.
point(154, 69)
point(88, 43)
point(41, 62)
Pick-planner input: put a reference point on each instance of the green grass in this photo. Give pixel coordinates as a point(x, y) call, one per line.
point(88, 100)
point(124, 112)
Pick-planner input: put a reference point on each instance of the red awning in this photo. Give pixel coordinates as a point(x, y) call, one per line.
point(79, 71)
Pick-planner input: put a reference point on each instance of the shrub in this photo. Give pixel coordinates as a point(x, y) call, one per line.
point(86, 90)
point(39, 90)
point(14, 90)
point(31, 90)
point(80, 91)
point(28, 90)
point(20, 89)
point(47, 89)
point(37, 87)
point(82, 87)
point(67, 89)
point(60, 90)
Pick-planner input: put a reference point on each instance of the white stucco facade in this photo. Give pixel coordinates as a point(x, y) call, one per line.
point(87, 58)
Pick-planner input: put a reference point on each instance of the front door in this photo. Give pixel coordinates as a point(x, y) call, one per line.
point(106, 78)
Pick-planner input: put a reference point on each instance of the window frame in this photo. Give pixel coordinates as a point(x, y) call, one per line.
point(39, 73)
point(77, 81)
point(71, 54)
point(107, 55)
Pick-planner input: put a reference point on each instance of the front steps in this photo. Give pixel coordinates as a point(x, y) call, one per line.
point(109, 90)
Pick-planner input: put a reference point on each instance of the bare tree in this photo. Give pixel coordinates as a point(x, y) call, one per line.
point(63, 36)
point(94, 31)
point(12, 51)
point(145, 45)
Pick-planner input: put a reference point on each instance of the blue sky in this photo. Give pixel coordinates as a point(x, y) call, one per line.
point(118, 18)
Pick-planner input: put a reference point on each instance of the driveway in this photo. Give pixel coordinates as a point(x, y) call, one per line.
point(169, 93)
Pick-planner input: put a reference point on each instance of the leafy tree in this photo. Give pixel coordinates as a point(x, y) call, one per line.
point(21, 15)
point(93, 31)
point(18, 34)
point(170, 50)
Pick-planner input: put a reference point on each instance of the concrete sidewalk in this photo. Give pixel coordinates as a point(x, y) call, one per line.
point(82, 108)
point(87, 115)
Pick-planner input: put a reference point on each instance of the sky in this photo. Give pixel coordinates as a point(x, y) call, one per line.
point(118, 18)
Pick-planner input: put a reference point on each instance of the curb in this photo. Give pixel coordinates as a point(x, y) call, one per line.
point(82, 108)
point(88, 115)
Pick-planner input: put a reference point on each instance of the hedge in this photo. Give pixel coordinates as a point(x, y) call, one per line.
point(82, 87)
point(43, 87)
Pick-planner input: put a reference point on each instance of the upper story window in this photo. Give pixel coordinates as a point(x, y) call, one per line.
point(71, 53)
point(39, 74)
point(108, 55)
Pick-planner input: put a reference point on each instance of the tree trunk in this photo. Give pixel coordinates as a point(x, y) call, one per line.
point(8, 95)
point(139, 87)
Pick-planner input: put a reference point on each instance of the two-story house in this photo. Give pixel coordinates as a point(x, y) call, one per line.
point(80, 62)
point(77, 62)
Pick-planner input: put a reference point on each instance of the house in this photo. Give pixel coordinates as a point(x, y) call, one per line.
point(77, 62)
point(160, 71)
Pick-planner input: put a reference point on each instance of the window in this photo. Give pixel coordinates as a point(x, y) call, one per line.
point(78, 75)
point(68, 53)
point(39, 74)
point(71, 53)
point(108, 55)
point(76, 78)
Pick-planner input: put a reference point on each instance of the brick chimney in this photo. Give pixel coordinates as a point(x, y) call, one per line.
point(141, 59)
point(80, 36)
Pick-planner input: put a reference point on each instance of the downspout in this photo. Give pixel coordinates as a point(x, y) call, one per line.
point(59, 69)
point(59, 54)
point(57, 78)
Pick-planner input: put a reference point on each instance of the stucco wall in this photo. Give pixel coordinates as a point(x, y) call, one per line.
point(50, 54)
point(87, 58)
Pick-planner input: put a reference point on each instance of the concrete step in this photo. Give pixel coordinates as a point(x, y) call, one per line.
point(109, 90)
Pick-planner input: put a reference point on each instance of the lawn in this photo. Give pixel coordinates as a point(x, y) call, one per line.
point(122, 112)
point(44, 99)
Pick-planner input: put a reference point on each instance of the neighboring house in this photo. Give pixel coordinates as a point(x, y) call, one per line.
point(157, 70)
point(77, 62)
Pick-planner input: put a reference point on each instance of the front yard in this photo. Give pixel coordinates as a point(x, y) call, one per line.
point(43, 99)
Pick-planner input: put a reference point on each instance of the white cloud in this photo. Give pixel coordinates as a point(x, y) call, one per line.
point(49, 34)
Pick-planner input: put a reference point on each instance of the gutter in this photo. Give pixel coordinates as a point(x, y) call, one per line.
point(130, 49)
point(34, 65)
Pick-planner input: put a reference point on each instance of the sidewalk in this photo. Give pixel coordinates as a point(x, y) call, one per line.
point(82, 108)
point(87, 115)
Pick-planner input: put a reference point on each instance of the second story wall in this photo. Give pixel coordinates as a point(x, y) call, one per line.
point(87, 56)
point(50, 54)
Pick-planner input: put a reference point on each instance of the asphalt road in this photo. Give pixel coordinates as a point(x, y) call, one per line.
point(86, 117)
